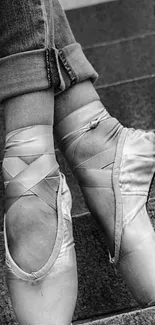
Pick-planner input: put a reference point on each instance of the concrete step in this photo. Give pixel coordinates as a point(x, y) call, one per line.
point(123, 60)
point(137, 317)
point(111, 21)
point(118, 39)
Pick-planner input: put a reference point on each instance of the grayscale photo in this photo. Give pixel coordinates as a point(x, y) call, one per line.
point(77, 162)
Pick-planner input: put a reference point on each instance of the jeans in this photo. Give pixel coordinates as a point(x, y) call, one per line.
point(38, 50)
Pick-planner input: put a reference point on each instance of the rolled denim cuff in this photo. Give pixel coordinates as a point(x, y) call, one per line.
point(76, 64)
point(22, 73)
point(42, 69)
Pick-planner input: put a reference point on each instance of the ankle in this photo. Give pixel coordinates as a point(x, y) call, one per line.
point(29, 109)
point(72, 99)
point(105, 136)
point(87, 132)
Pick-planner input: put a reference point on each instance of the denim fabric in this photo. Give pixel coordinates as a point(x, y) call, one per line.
point(38, 49)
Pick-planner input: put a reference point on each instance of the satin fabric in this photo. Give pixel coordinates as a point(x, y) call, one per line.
point(115, 182)
point(47, 296)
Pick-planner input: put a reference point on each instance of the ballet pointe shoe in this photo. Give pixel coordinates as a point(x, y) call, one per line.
point(46, 296)
point(115, 167)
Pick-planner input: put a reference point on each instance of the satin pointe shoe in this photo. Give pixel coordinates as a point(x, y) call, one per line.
point(115, 167)
point(48, 295)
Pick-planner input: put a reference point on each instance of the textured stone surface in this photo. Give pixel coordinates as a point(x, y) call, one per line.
point(133, 103)
point(1, 199)
point(138, 317)
point(112, 20)
point(2, 139)
point(2, 132)
point(6, 313)
point(123, 60)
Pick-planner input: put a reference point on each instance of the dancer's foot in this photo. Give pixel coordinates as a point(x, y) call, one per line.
point(115, 166)
point(40, 257)
point(31, 223)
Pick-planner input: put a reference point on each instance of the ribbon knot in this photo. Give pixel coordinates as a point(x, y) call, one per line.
point(94, 124)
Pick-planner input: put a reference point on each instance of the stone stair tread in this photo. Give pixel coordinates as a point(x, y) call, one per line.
point(136, 317)
point(111, 21)
point(128, 59)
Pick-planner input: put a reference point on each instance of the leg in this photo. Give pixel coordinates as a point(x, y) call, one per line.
point(114, 167)
point(40, 257)
point(30, 249)
point(83, 95)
